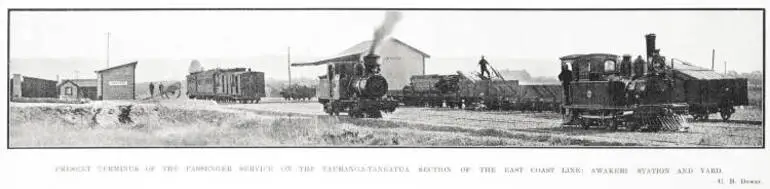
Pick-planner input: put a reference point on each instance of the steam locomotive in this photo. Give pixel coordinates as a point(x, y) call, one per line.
point(355, 87)
point(610, 91)
point(239, 85)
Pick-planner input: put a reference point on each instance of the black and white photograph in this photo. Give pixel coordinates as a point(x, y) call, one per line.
point(383, 78)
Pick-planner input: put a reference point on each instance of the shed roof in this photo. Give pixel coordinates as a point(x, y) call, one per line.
point(355, 52)
point(692, 71)
point(118, 66)
point(574, 56)
point(81, 82)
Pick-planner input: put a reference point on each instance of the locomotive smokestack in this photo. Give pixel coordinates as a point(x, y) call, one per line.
point(391, 18)
point(650, 38)
point(370, 63)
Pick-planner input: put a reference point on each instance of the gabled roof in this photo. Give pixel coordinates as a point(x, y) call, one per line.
point(80, 82)
point(118, 66)
point(363, 48)
point(355, 52)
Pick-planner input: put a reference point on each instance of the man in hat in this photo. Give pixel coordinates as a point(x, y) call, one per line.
point(483, 64)
point(565, 77)
point(160, 89)
point(152, 90)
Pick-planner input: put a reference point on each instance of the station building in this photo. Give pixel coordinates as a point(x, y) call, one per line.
point(78, 88)
point(117, 83)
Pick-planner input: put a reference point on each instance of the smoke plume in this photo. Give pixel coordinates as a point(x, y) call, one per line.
point(391, 18)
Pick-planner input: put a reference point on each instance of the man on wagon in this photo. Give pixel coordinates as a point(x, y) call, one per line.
point(483, 64)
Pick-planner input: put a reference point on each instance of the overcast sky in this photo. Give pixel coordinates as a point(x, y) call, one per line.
point(172, 38)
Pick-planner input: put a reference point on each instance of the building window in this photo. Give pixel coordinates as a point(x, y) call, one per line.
point(68, 90)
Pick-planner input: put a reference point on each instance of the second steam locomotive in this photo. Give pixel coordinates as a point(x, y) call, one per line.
point(609, 91)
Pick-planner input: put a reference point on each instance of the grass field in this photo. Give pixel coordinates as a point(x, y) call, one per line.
point(97, 125)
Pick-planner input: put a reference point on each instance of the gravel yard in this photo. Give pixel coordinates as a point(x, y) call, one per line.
point(275, 123)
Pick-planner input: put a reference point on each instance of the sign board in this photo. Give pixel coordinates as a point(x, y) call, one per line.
point(116, 83)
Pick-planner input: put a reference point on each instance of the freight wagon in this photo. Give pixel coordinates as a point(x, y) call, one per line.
point(33, 87)
point(458, 91)
point(239, 85)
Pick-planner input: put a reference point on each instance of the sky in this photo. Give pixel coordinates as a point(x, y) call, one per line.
point(164, 42)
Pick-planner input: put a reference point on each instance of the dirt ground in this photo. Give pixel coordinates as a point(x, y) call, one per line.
point(273, 122)
point(741, 131)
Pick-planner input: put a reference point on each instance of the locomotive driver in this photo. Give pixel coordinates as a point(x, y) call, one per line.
point(565, 77)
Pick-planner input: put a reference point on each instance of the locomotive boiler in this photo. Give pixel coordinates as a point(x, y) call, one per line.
point(355, 87)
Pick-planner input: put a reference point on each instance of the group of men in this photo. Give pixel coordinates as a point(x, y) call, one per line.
point(160, 90)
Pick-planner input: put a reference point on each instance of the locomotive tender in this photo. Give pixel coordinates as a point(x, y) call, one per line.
point(606, 90)
point(239, 85)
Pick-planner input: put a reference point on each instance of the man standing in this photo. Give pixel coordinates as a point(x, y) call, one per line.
point(152, 90)
point(483, 64)
point(160, 89)
point(565, 77)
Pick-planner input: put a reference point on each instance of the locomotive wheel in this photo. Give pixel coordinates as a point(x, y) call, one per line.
point(356, 114)
point(726, 113)
point(328, 109)
point(632, 127)
point(584, 123)
point(612, 124)
point(704, 116)
point(178, 93)
point(374, 114)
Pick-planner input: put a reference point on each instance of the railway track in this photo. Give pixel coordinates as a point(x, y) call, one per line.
point(570, 132)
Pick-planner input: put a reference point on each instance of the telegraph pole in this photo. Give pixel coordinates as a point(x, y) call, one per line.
point(725, 67)
point(288, 62)
point(712, 59)
point(108, 49)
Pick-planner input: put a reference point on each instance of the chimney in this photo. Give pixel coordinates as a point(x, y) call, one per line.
point(650, 38)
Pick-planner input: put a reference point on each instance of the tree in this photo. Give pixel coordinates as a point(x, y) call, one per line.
point(195, 66)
